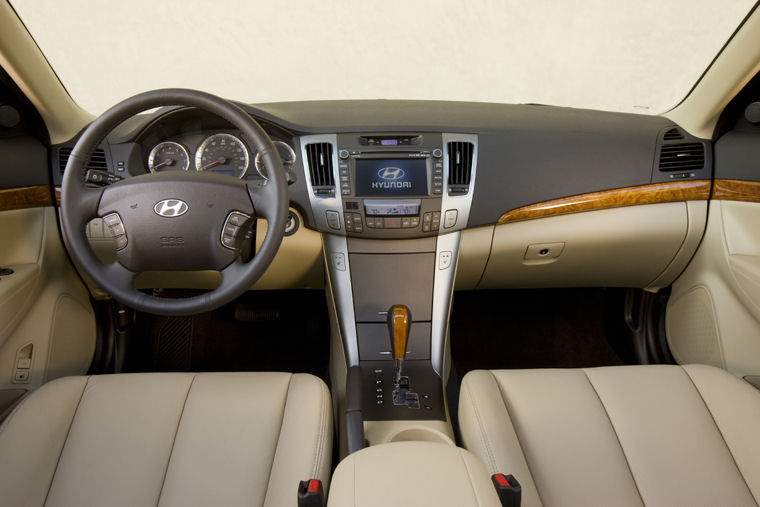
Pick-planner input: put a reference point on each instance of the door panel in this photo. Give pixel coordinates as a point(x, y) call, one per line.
point(47, 326)
point(713, 313)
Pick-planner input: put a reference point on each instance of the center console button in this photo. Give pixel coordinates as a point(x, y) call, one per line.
point(392, 223)
point(450, 219)
point(333, 219)
point(406, 222)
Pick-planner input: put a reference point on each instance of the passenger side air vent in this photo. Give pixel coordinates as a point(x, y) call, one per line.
point(682, 157)
point(97, 161)
point(673, 135)
point(460, 166)
point(321, 167)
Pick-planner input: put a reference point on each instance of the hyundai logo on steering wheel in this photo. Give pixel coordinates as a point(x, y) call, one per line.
point(170, 208)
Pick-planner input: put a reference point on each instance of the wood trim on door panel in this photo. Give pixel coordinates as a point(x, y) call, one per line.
point(736, 190)
point(25, 197)
point(697, 190)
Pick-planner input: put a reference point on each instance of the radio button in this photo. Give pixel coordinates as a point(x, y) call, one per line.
point(371, 222)
point(415, 221)
point(343, 154)
point(406, 223)
point(437, 153)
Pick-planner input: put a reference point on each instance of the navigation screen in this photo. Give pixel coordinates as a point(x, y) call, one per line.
point(386, 177)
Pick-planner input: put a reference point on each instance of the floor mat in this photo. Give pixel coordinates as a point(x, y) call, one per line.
point(547, 328)
point(260, 331)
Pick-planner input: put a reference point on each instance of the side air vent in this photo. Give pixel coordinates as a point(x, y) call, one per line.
point(321, 167)
point(682, 157)
point(460, 166)
point(673, 135)
point(97, 161)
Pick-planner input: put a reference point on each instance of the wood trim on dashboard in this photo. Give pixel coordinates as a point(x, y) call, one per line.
point(25, 197)
point(736, 190)
point(697, 190)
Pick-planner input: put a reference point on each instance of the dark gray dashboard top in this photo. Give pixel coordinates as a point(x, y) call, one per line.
point(527, 153)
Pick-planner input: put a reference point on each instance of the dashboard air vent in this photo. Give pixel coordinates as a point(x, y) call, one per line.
point(321, 167)
point(460, 166)
point(673, 135)
point(97, 161)
point(682, 157)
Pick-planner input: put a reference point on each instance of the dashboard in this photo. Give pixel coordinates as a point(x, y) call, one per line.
point(504, 175)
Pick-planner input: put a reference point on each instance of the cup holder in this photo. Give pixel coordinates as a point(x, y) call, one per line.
point(421, 435)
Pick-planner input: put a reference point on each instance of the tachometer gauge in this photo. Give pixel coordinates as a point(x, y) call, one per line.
point(168, 156)
point(222, 153)
point(287, 155)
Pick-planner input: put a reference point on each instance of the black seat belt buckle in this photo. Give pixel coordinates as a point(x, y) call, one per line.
point(508, 489)
point(311, 494)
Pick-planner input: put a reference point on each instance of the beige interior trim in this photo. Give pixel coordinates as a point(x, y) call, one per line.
point(474, 248)
point(713, 314)
point(383, 432)
point(26, 65)
point(633, 246)
point(738, 62)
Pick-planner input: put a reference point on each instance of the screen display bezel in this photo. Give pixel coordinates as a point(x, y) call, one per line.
point(391, 156)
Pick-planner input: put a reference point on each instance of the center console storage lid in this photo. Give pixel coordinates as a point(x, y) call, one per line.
point(412, 473)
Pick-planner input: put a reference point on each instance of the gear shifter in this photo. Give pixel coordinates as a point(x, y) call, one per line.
point(399, 324)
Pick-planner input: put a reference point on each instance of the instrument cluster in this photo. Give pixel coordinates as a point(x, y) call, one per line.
point(221, 152)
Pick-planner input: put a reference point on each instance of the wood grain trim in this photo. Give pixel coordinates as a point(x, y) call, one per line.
point(25, 197)
point(736, 190)
point(697, 190)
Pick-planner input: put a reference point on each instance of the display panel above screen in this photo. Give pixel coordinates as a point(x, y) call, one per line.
point(376, 177)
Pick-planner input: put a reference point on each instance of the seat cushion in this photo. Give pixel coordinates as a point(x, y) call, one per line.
point(631, 435)
point(167, 439)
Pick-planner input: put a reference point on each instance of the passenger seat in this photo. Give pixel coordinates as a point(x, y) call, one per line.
point(630, 435)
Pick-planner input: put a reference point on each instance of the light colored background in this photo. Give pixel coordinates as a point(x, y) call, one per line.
point(641, 56)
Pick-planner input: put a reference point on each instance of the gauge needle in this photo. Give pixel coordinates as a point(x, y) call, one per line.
point(168, 161)
point(220, 160)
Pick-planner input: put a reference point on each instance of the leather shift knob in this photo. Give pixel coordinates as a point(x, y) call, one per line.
point(399, 322)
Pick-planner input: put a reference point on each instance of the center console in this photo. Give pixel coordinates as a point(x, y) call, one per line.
point(390, 207)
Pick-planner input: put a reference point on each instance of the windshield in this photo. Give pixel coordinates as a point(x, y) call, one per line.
point(640, 57)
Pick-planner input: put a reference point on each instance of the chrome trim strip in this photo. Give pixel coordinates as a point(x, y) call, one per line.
point(443, 290)
point(319, 204)
point(343, 294)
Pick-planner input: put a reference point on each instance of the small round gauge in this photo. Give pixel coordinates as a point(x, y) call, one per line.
point(168, 156)
point(224, 154)
point(287, 154)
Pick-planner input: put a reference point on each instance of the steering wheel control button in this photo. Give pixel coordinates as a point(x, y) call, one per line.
point(339, 261)
point(170, 208)
point(450, 218)
point(333, 219)
point(116, 226)
point(232, 224)
point(444, 260)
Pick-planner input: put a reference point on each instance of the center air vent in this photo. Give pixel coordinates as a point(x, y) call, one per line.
point(321, 167)
point(460, 166)
point(682, 157)
point(97, 161)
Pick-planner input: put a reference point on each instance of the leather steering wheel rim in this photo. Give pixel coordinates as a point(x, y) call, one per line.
point(81, 203)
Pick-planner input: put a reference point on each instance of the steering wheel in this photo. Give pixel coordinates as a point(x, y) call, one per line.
point(174, 220)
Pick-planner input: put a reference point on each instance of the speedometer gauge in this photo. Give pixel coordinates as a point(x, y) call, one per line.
point(287, 154)
point(168, 156)
point(224, 154)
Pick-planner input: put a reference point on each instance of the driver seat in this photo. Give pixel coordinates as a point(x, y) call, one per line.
point(167, 439)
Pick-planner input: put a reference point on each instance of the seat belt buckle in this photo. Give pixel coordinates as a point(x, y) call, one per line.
point(508, 489)
point(311, 494)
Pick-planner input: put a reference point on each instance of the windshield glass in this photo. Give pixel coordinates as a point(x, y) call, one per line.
point(640, 57)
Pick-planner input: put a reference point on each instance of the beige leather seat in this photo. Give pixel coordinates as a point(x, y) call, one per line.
point(652, 435)
point(167, 439)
